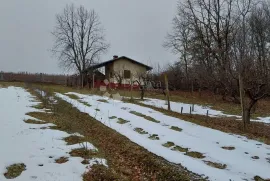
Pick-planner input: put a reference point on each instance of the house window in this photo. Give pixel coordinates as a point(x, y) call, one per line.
point(127, 74)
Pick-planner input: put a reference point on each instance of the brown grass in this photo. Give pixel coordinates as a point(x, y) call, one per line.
point(216, 165)
point(99, 173)
point(32, 121)
point(73, 139)
point(154, 137)
point(195, 154)
point(102, 100)
point(168, 144)
point(61, 160)
point(83, 153)
point(122, 121)
point(258, 178)
point(14, 170)
point(175, 128)
point(149, 118)
point(179, 148)
point(140, 130)
point(228, 147)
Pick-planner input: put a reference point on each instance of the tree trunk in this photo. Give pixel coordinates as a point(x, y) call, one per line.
point(82, 79)
point(247, 116)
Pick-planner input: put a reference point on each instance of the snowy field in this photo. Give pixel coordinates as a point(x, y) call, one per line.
point(36, 148)
point(198, 109)
point(241, 158)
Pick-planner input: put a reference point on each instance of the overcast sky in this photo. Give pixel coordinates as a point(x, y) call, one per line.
point(134, 28)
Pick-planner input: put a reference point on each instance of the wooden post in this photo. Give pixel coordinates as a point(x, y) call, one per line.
point(131, 88)
point(192, 107)
point(190, 110)
point(242, 99)
point(167, 91)
point(207, 113)
point(181, 110)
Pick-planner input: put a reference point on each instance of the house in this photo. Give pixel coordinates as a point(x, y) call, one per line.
point(121, 71)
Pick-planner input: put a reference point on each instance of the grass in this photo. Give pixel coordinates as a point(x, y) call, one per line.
point(97, 109)
point(168, 144)
point(32, 121)
point(175, 128)
point(228, 147)
point(85, 103)
point(100, 172)
point(149, 118)
point(83, 153)
point(14, 170)
point(179, 148)
point(154, 137)
point(72, 140)
point(140, 130)
point(216, 165)
point(122, 121)
point(38, 106)
point(258, 178)
point(112, 117)
point(61, 160)
point(195, 154)
point(73, 96)
point(103, 100)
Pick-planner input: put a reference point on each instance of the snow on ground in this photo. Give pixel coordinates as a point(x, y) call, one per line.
point(198, 109)
point(240, 164)
point(26, 143)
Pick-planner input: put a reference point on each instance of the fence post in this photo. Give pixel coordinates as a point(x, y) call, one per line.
point(190, 110)
point(167, 91)
point(181, 110)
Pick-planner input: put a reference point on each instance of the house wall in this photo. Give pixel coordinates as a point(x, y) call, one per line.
point(118, 67)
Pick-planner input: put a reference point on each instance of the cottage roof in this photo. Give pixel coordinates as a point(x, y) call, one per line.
point(96, 66)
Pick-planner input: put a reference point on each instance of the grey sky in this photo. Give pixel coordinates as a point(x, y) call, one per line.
point(134, 28)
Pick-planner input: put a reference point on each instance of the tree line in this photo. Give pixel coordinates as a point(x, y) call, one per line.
point(224, 47)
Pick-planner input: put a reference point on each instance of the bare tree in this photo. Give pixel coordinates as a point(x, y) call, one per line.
point(79, 39)
point(143, 80)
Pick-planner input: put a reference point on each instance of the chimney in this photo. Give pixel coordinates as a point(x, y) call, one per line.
point(115, 57)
